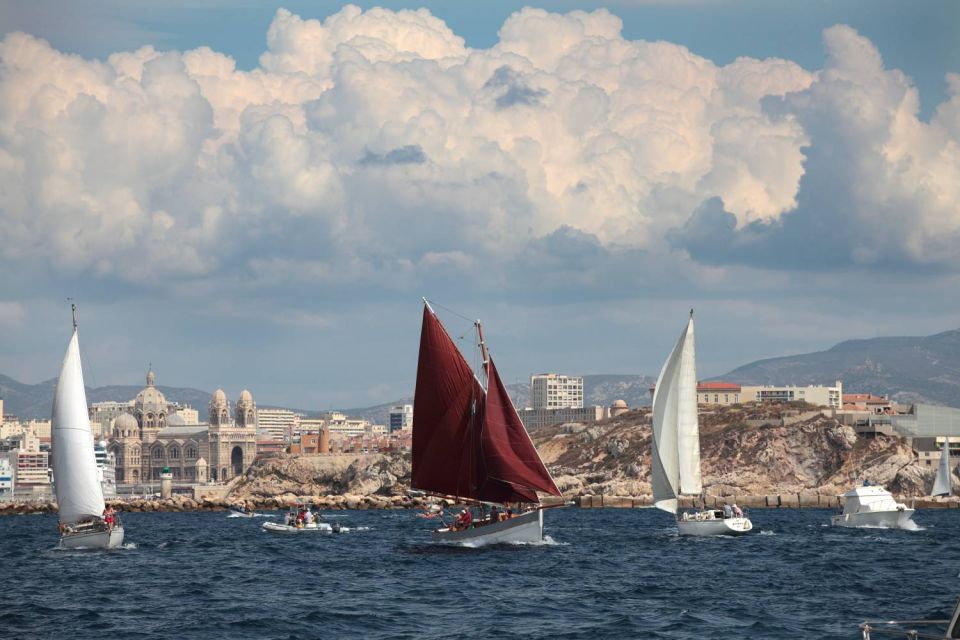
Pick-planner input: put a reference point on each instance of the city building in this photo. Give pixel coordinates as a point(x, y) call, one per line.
point(277, 424)
point(31, 474)
point(401, 417)
point(6, 478)
point(555, 391)
point(813, 394)
point(154, 435)
point(536, 418)
point(719, 393)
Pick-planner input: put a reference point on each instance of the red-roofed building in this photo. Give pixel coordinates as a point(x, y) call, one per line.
point(867, 402)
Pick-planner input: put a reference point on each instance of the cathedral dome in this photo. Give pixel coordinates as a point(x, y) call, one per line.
point(175, 420)
point(245, 399)
point(150, 400)
point(125, 421)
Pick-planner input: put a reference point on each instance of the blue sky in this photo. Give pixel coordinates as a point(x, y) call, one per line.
point(578, 180)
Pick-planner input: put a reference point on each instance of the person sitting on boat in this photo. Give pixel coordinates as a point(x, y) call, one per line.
point(308, 517)
point(727, 511)
point(509, 513)
point(494, 514)
point(467, 518)
point(458, 520)
point(737, 511)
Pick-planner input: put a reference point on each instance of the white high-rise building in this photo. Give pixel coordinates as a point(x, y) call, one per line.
point(277, 424)
point(401, 417)
point(555, 391)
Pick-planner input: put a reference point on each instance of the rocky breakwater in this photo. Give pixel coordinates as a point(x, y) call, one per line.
point(360, 481)
point(764, 455)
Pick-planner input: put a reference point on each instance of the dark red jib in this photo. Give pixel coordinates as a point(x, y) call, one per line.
point(466, 442)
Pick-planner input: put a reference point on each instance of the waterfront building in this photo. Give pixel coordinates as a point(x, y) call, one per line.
point(556, 391)
point(401, 417)
point(31, 475)
point(718, 393)
point(154, 435)
point(6, 478)
point(340, 426)
point(277, 424)
point(536, 418)
point(310, 425)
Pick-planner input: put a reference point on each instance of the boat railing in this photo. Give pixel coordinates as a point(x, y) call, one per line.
point(899, 629)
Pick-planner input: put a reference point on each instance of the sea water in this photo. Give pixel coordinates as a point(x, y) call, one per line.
point(600, 574)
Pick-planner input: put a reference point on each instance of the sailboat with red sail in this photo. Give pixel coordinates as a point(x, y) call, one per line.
point(470, 445)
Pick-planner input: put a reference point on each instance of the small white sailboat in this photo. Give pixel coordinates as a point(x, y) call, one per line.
point(943, 484)
point(675, 466)
point(83, 521)
point(872, 506)
point(470, 445)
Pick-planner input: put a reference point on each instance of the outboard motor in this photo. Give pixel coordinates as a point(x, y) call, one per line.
point(336, 527)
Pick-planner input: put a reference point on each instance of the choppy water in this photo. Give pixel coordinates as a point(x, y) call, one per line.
point(608, 574)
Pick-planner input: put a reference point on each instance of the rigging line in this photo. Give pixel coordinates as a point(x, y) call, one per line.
point(440, 306)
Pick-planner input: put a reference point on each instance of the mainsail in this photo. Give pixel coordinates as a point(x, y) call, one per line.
point(468, 442)
point(675, 458)
point(79, 495)
point(942, 485)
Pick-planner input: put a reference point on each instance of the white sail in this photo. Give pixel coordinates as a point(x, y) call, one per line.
point(675, 467)
point(688, 428)
point(79, 494)
point(942, 485)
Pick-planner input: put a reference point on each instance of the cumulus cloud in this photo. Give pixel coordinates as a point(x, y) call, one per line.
point(375, 148)
point(881, 188)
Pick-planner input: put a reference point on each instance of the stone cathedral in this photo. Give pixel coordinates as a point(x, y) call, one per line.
point(151, 438)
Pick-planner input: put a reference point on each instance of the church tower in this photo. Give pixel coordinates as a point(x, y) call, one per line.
point(246, 413)
point(219, 409)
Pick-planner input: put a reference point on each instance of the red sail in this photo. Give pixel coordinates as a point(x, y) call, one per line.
point(511, 467)
point(447, 416)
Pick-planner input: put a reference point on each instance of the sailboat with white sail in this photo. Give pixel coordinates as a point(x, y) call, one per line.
point(675, 459)
point(943, 484)
point(83, 521)
point(470, 446)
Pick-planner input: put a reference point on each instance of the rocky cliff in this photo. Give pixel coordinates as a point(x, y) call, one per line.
point(753, 449)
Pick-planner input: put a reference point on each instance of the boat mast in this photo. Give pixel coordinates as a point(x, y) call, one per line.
point(483, 355)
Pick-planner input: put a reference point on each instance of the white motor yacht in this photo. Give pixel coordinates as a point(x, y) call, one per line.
point(873, 506)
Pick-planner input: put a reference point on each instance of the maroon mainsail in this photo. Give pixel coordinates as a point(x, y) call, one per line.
point(467, 442)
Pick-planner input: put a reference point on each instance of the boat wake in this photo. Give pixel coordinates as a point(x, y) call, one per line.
point(255, 515)
point(765, 532)
point(546, 542)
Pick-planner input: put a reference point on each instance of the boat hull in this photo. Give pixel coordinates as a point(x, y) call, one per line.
point(321, 527)
point(716, 527)
point(101, 539)
point(893, 519)
point(524, 528)
point(242, 514)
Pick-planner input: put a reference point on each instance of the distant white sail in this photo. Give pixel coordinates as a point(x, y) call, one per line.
point(79, 494)
point(942, 485)
point(675, 467)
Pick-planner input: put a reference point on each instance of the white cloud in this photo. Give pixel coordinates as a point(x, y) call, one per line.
point(375, 147)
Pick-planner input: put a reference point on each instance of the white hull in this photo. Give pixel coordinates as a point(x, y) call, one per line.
point(894, 519)
point(241, 514)
point(315, 527)
point(524, 528)
point(101, 539)
point(716, 527)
